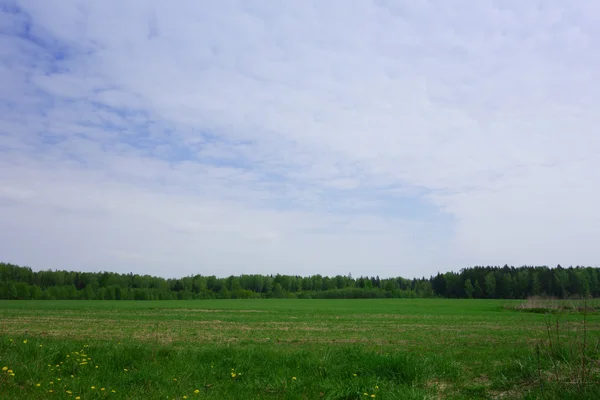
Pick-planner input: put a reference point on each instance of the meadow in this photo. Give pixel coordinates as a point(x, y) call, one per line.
point(296, 349)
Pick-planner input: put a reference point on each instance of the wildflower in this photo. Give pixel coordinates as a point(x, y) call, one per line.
point(25, 341)
point(58, 379)
point(77, 398)
point(72, 376)
point(10, 371)
point(4, 369)
point(12, 374)
point(93, 387)
point(354, 375)
point(233, 375)
point(372, 396)
point(185, 397)
point(96, 367)
point(102, 389)
point(376, 387)
point(50, 391)
point(69, 392)
point(10, 340)
point(68, 356)
point(37, 385)
point(196, 391)
point(293, 378)
point(41, 345)
point(113, 391)
point(174, 379)
point(366, 394)
point(125, 369)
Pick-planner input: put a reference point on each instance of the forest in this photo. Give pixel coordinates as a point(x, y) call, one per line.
point(492, 282)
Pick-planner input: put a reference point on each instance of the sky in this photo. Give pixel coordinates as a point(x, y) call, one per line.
point(390, 138)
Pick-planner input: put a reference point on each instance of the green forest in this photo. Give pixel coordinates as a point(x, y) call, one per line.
point(22, 283)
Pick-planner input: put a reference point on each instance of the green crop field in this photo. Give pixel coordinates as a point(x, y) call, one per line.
point(296, 349)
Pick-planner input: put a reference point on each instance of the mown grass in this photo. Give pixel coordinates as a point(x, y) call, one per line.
point(291, 349)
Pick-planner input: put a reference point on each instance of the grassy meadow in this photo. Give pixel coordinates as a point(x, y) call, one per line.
point(296, 349)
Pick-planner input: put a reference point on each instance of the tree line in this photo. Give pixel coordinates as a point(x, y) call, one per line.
point(491, 282)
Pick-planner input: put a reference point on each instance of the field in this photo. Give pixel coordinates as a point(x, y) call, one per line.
point(295, 349)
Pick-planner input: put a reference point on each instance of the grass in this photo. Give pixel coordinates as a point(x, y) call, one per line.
point(293, 349)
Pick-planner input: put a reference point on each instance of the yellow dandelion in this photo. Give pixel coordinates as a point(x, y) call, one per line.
point(366, 394)
point(41, 345)
point(196, 391)
point(37, 385)
point(12, 374)
point(77, 398)
point(293, 378)
point(72, 376)
point(233, 375)
point(93, 387)
point(50, 391)
point(25, 341)
point(174, 379)
point(102, 389)
point(58, 379)
point(68, 356)
point(4, 369)
point(125, 369)
point(10, 371)
point(376, 387)
point(52, 383)
point(113, 391)
point(96, 366)
point(185, 397)
point(354, 375)
point(69, 392)
point(372, 396)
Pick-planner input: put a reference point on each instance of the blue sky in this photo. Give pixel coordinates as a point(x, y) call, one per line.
point(377, 137)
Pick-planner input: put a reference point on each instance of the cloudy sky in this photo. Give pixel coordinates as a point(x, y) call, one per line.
point(227, 137)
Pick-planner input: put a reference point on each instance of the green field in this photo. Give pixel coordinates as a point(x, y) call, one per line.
point(295, 349)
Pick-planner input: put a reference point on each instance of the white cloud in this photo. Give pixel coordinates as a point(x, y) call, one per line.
point(301, 138)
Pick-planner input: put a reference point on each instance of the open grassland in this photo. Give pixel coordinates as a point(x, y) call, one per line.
point(295, 349)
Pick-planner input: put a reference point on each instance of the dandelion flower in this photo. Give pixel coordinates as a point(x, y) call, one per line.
point(37, 385)
point(125, 369)
point(25, 341)
point(174, 379)
point(96, 367)
point(372, 396)
point(233, 375)
point(354, 375)
point(185, 397)
point(10, 371)
point(196, 391)
point(293, 378)
point(102, 389)
point(12, 374)
point(41, 345)
point(113, 391)
point(69, 392)
point(72, 376)
point(366, 394)
point(50, 391)
point(77, 398)
point(4, 369)
point(93, 387)
point(52, 383)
